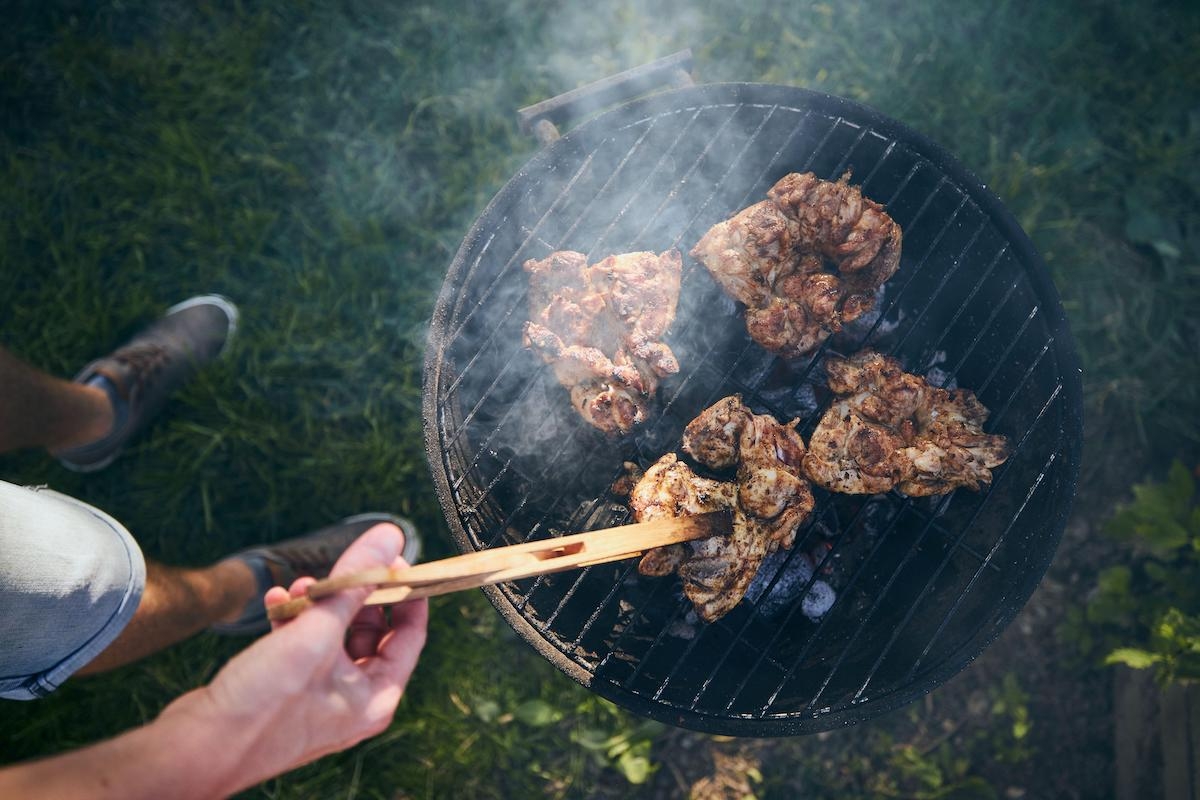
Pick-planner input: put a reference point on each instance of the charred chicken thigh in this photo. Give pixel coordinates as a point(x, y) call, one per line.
point(601, 326)
point(769, 497)
point(670, 489)
point(890, 429)
point(804, 261)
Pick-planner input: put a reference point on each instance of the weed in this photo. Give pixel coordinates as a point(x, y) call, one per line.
point(1146, 614)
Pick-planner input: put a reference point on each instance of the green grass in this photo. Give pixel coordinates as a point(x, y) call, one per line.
point(319, 163)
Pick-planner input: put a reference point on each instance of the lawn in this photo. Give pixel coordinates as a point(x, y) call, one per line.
point(319, 163)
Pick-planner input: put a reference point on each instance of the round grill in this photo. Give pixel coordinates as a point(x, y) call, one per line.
point(922, 585)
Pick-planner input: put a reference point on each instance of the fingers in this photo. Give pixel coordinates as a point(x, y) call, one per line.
point(300, 586)
point(401, 648)
point(366, 629)
point(378, 547)
point(277, 595)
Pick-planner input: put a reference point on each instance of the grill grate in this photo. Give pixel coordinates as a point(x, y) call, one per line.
point(922, 584)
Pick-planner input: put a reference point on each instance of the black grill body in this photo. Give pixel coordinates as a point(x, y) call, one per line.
point(922, 585)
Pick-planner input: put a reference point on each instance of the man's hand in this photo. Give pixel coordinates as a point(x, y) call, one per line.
point(328, 678)
point(318, 683)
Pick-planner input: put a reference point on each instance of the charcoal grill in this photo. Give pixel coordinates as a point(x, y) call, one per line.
point(922, 585)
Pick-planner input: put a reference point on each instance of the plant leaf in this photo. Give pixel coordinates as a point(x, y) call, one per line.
point(537, 713)
point(635, 768)
point(487, 710)
point(1132, 657)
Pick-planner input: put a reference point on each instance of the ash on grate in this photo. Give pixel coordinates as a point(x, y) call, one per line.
point(685, 628)
point(793, 401)
point(792, 573)
point(936, 376)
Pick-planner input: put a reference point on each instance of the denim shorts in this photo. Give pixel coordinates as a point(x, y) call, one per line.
point(71, 577)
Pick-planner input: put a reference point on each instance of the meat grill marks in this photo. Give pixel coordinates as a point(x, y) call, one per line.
point(805, 261)
point(769, 497)
point(890, 429)
point(601, 326)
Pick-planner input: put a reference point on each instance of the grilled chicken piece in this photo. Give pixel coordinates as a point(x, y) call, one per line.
point(804, 262)
point(769, 498)
point(890, 429)
point(670, 489)
point(643, 291)
point(600, 328)
point(769, 457)
point(771, 483)
point(836, 220)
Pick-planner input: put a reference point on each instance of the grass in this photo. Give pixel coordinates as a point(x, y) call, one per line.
point(319, 163)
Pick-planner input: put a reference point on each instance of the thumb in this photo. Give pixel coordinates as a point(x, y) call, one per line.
point(379, 546)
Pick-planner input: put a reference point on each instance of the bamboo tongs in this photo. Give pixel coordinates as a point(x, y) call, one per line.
point(500, 564)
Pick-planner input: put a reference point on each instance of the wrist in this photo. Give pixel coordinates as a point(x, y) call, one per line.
point(192, 750)
point(220, 743)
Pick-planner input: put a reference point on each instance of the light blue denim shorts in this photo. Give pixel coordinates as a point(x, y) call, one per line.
point(71, 577)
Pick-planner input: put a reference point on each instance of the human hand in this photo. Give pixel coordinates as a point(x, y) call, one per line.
point(328, 678)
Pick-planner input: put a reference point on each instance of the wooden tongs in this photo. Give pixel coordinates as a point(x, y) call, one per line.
point(500, 564)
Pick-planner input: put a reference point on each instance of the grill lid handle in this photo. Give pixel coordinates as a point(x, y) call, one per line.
point(543, 119)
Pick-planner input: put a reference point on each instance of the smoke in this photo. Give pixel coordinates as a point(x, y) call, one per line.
point(649, 183)
point(583, 42)
point(413, 136)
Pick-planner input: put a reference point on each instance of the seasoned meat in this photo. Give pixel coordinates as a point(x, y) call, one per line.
point(805, 261)
point(713, 437)
point(600, 328)
point(852, 231)
point(670, 489)
point(643, 291)
point(623, 485)
point(769, 497)
point(890, 429)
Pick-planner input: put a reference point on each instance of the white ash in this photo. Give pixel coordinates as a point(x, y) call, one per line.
point(684, 628)
point(818, 601)
point(788, 587)
point(793, 401)
point(937, 376)
point(874, 514)
point(806, 398)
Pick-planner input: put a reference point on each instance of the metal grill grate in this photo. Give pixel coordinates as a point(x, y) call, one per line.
point(922, 584)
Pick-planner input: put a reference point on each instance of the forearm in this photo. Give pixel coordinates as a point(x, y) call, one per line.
point(188, 752)
point(291, 697)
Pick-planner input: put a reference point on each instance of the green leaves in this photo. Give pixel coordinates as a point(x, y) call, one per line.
point(537, 713)
point(1145, 224)
point(1132, 657)
point(1147, 613)
point(1163, 516)
point(627, 751)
